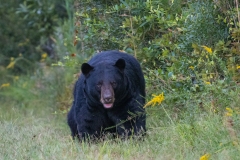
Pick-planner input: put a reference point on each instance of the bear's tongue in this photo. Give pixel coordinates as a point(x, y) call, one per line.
point(109, 105)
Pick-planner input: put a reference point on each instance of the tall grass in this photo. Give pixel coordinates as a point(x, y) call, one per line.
point(33, 124)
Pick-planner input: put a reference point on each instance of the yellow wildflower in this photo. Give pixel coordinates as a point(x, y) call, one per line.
point(156, 99)
point(238, 67)
point(209, 50)
point(44, 55)
point(235, 143)
point(11, 64)
point(208, 83)
point(205, 157)
point(191, 67)
point(229, 112)
point(229, 109)
point(16, 78)
point(5, 85)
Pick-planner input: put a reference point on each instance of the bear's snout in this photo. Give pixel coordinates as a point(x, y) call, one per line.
point(107, 97)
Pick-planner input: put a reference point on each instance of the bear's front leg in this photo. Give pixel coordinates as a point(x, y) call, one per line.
point(132, 125)
point(72, 123)
point(90, 123)
point(128, 123)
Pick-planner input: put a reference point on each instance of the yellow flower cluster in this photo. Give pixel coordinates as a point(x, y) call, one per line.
point(156, 99)
point(43, 57)
point(5, 85)
point(191, 67)
point(11, 64)
point(229, 112)
point(16, 78)
point(209, 50)
point(205, 157)
point(208, 83)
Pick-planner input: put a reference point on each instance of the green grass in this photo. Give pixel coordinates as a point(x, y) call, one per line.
point(33, 125)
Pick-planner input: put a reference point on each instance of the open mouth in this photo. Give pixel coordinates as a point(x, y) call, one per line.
point(108, 105)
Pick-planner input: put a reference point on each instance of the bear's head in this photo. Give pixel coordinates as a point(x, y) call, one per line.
point(105, 83)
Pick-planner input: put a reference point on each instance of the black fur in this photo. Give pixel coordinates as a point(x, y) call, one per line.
point(112, 71)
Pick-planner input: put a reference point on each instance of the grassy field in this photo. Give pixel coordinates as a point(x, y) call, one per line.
point(185, 126)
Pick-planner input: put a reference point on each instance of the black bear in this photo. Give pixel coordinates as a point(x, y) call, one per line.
point(109, 97)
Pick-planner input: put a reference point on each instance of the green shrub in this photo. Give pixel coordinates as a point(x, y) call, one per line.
point(27, 29)
point(168, 38)
point(201, 25)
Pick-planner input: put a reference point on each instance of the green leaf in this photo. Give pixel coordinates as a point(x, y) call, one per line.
point(125, 4)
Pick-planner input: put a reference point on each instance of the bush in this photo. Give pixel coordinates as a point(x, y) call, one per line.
point(171, 39)
point(27, 30)
point(201, 26)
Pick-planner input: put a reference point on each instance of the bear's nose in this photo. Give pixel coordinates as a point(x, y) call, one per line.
point(108, 99)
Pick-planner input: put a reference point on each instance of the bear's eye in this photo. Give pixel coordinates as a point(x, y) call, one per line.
point(99, 85)
point(114, 84)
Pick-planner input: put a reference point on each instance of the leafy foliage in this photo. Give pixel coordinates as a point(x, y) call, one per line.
point(201, 26)
point(168, 37)
point(27, 30)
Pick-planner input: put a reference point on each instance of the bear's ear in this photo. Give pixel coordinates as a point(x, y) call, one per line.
point(120, 64)
point(86, 68)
